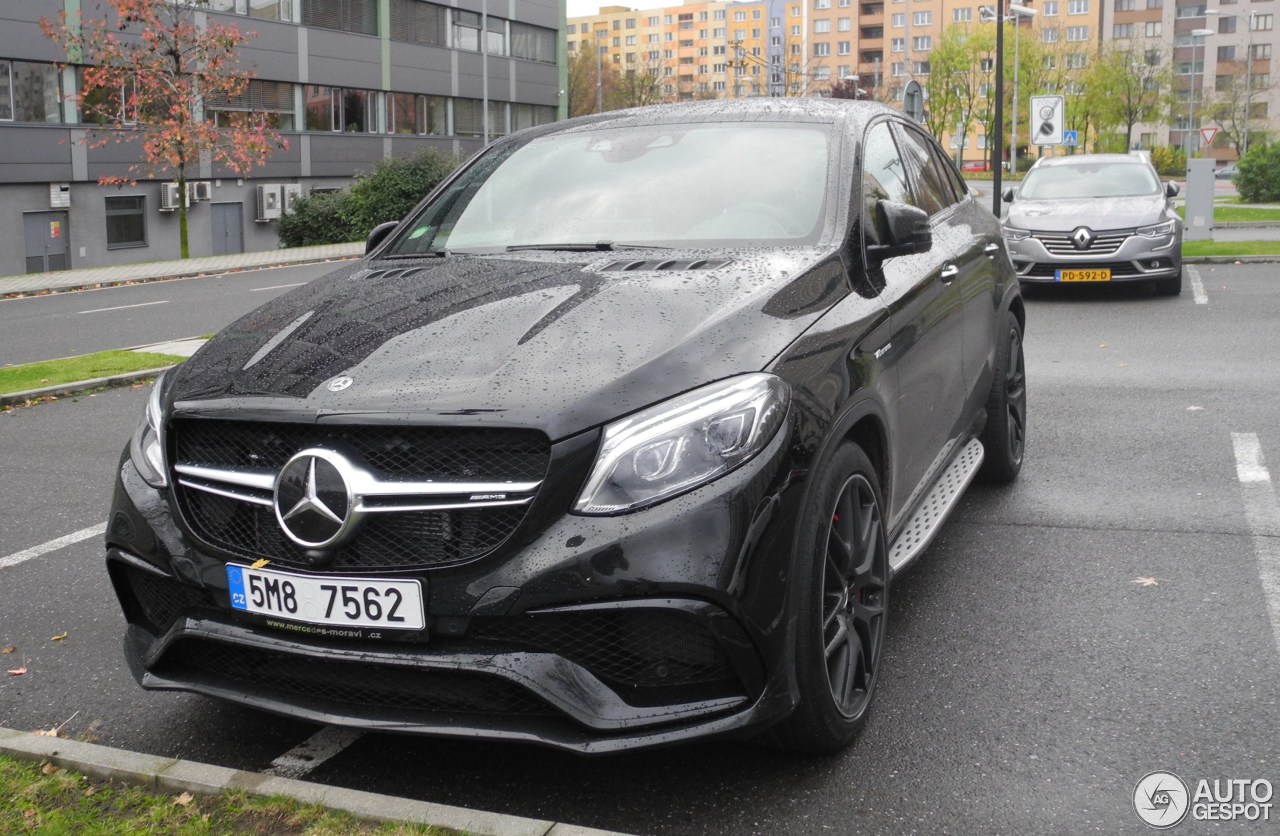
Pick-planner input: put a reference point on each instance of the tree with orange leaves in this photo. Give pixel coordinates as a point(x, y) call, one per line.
point(152, 67)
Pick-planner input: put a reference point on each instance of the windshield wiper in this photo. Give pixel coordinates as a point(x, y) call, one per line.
point(599, 246)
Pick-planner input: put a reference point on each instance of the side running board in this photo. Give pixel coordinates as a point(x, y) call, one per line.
point(936, 506)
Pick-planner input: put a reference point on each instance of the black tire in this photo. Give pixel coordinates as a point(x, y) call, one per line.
point(842, 584)
point(1004, 438)
point(1171, 286)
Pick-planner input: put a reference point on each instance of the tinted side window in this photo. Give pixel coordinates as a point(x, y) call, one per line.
point(883, 177)
point(931, 187)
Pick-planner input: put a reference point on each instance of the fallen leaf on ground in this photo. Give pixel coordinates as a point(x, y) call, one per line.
point(16, 671)
point(90, 791)
point(60, 637)
point(50, 769)
point(258, 564)
point(5, 651)
point(1146, 581)
point(46, 732)
point(184, 799)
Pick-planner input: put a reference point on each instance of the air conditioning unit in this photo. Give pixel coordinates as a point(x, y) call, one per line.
point(169, 196)
point(268, 202)
point(292, 192)
point(203, 190)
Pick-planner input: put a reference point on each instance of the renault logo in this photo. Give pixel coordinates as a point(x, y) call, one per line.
point(1083, 238)
point(313, 500)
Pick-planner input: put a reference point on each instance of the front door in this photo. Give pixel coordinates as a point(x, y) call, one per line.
point(228, 228)
point(45, 234)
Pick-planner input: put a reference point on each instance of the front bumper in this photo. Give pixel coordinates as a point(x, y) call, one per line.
point(1136, 259)
point(595, 635)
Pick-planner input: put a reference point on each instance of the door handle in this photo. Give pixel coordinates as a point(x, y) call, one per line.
point(991, 250)
point(949, 273)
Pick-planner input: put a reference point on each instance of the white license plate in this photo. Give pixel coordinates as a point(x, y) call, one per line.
point(343, 602)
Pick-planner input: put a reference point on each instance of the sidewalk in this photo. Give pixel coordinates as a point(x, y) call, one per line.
point(89, 277)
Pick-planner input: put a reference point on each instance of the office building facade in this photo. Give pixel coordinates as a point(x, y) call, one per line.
point(346, 82)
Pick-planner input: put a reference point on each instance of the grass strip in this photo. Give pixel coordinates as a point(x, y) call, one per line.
point(85, 367)
point(1229, 248)
point(1238, 214)
point(41, 798)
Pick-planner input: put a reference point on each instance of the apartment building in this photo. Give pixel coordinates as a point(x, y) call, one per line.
point(347, 82)
point(1231, 66)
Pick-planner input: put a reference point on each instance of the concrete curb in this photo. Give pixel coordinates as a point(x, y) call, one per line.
point(1231, 259)
point(169, 276)
point(170, 775)
point(76, 387)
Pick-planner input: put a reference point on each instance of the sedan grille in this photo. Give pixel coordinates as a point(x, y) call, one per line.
point(223, 471)
point(1105, 242)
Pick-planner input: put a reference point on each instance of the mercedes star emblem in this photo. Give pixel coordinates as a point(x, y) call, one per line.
point(1083, 238)
point(340, 383)
point(313, 500)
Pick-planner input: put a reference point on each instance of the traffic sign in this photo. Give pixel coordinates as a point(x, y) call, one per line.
point(1070, 138)
point(1046, 120)
point(1208, 134)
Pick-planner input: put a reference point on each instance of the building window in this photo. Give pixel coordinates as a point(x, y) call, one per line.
point(821, 27)
point(416, 22)
point(898, 20)
point(262, 9)
point(1122, 30)
point(821, 49)
point(126, 221)
point(1051, 8)
point(844, 48)
point(30, 92)
point(1126, 5)
point(922, 19)
point(359, 16)
point(1077, 33)
point(961, 15)
point(1226, 53)
point(898, 45)
point(1154, 28)
point(1050, 36)
point(844, 24)
point(1077, 7)
point(272, 101)
point(1077, 61)
point(340, 109)
point(529, 115)
point(1262, 23)
point(922, 43)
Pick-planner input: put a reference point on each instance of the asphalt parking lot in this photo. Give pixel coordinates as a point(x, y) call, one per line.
point(1114, 612)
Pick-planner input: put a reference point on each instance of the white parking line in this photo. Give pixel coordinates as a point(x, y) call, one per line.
point(51, 546)
point(313, 751)
point(1197, 287)
point(1263, 514)
point(122, 307)
point(276, 287)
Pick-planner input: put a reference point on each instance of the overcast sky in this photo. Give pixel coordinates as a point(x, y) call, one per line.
point(578, 8)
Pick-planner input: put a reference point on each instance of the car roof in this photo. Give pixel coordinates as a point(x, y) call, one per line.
point(758, 109)
point(1090, 159)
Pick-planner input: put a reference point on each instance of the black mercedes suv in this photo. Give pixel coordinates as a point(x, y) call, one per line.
point(616, 441)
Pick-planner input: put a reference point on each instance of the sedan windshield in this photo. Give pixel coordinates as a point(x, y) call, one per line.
point(1092, 180)
point(660, 185)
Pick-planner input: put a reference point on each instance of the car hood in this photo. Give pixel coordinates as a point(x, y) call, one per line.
point(1095, 213)
point(549, 340)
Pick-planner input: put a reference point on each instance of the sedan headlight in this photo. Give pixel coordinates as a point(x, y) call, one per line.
point(147, 447)
point(1156, 230)
point(1013, 234)
point(683, 443)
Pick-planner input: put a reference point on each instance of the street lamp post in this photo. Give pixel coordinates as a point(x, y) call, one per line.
point(1016, 13)
point(1201, 34)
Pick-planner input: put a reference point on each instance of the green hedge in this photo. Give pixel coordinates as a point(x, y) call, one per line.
point(388, 193)
point(1259, 177)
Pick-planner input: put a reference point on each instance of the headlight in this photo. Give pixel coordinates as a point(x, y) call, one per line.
point(1156, 230)
point(147, 447)
point(1012, 234)
point(683, 443)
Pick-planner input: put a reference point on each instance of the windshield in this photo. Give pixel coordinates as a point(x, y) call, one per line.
point(1092, 180)
point(661, 185)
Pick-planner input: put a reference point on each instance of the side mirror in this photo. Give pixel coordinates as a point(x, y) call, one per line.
point(379, 234)
point(906, 230)
point(1171, 189)
point(1007, 197)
